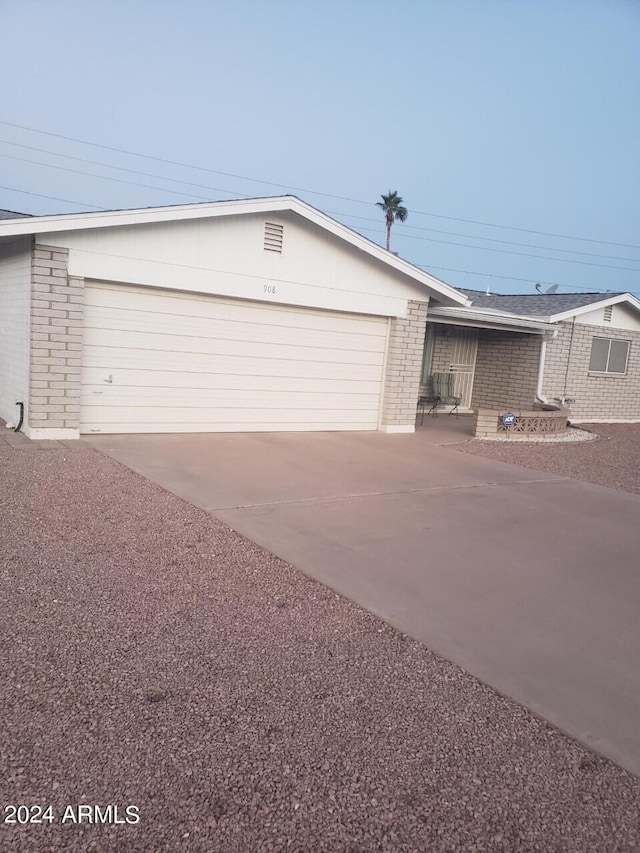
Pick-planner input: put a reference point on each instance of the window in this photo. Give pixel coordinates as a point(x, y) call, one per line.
point(608, 356)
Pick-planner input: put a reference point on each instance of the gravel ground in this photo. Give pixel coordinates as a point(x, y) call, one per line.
point(612, 460)
point(152, 657)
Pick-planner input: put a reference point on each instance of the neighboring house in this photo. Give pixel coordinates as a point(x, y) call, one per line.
point(531, 350)
point(245, 315)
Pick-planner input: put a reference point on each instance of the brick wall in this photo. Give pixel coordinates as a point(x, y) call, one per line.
point(506, 370)
point(404, 366)
point(592, 395)
point(56, 344)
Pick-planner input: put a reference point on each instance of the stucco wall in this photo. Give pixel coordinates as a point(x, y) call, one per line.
point(15, 277)
point(592, 395)
point(506, 370)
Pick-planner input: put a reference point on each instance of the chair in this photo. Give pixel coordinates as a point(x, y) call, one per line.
point(444, 391)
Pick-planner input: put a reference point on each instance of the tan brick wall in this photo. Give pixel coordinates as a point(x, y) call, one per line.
point(404, 366)
point(506, 370)
point(592, 395)
point(56, 341)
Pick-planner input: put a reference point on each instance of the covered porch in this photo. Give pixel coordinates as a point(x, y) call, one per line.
point(496, 359)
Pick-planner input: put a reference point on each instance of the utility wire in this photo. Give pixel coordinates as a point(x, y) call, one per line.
point(312, 192)
point(402, 226)
point(51, 197)
point(425, 267)
point(371, 230)
point(107, 177)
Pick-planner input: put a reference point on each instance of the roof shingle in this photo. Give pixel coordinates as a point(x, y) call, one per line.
point(534, 304)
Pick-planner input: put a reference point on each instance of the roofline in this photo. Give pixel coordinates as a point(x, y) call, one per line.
point(485, 318)
point(601, 303)
point(182, 212)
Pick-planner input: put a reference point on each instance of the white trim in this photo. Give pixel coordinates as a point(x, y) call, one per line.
point(383, 383)
point(484, 319)
point(39, 433)
point(210, 210)
point(397, 428)
point(602, 303)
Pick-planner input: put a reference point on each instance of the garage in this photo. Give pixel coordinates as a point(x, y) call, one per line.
point(157, 360)
point(232, 316)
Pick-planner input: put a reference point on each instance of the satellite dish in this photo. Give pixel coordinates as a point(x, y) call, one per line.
point(549, 290)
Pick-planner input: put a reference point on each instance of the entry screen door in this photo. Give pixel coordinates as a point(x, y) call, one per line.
point(463, 364)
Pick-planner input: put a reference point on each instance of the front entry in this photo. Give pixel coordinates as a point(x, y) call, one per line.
point(463, 363)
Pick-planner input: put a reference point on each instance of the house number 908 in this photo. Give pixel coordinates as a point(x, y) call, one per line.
point(269, 288)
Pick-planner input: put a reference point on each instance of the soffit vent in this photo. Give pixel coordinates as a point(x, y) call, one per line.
point(608, 312)
point(273, 234)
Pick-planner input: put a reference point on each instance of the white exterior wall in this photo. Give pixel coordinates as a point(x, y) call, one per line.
point(226, 256)
point(15, 280)
point(622, 317)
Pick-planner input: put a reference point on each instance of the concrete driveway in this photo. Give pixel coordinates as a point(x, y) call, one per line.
point(531, 582)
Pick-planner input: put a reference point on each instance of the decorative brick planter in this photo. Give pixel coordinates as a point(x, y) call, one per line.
point(539, 422)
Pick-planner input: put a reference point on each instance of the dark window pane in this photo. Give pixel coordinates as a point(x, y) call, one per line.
point(618, 356)
point(599, 354)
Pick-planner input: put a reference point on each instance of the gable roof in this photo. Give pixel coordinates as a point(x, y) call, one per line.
point(12, 214)
point(549, 306)
point(273, 204)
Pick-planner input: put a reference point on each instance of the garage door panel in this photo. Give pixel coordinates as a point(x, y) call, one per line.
point(273, 359)
point(108, 303)
point(106, 363)
point(247, 425)
point(227, 398)
point(154, 362)
point(270, 342)
point(137, 379)
point(218, 416)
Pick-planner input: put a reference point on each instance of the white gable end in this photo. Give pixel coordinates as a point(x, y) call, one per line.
point(621, 316)
point(226, 256)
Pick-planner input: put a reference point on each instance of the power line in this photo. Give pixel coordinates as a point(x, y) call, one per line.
point(52, 197)
point(403, 226)
point(312, 192)
point(109, 178)
point(371, 230)
point(509, 252)
point(119, 168)
point(424, 267)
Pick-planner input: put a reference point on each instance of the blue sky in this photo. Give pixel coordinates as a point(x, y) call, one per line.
point(521, 114)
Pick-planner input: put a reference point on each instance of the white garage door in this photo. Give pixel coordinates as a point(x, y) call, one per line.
point(161, 361)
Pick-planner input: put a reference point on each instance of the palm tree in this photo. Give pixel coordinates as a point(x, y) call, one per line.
point(393, 209)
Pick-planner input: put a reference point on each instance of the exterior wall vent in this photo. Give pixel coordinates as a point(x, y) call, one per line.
point(608, 312)
point(273, 235)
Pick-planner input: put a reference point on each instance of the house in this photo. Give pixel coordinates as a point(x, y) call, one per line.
point(580, 350)
point(265, 315)
point(260, 314)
